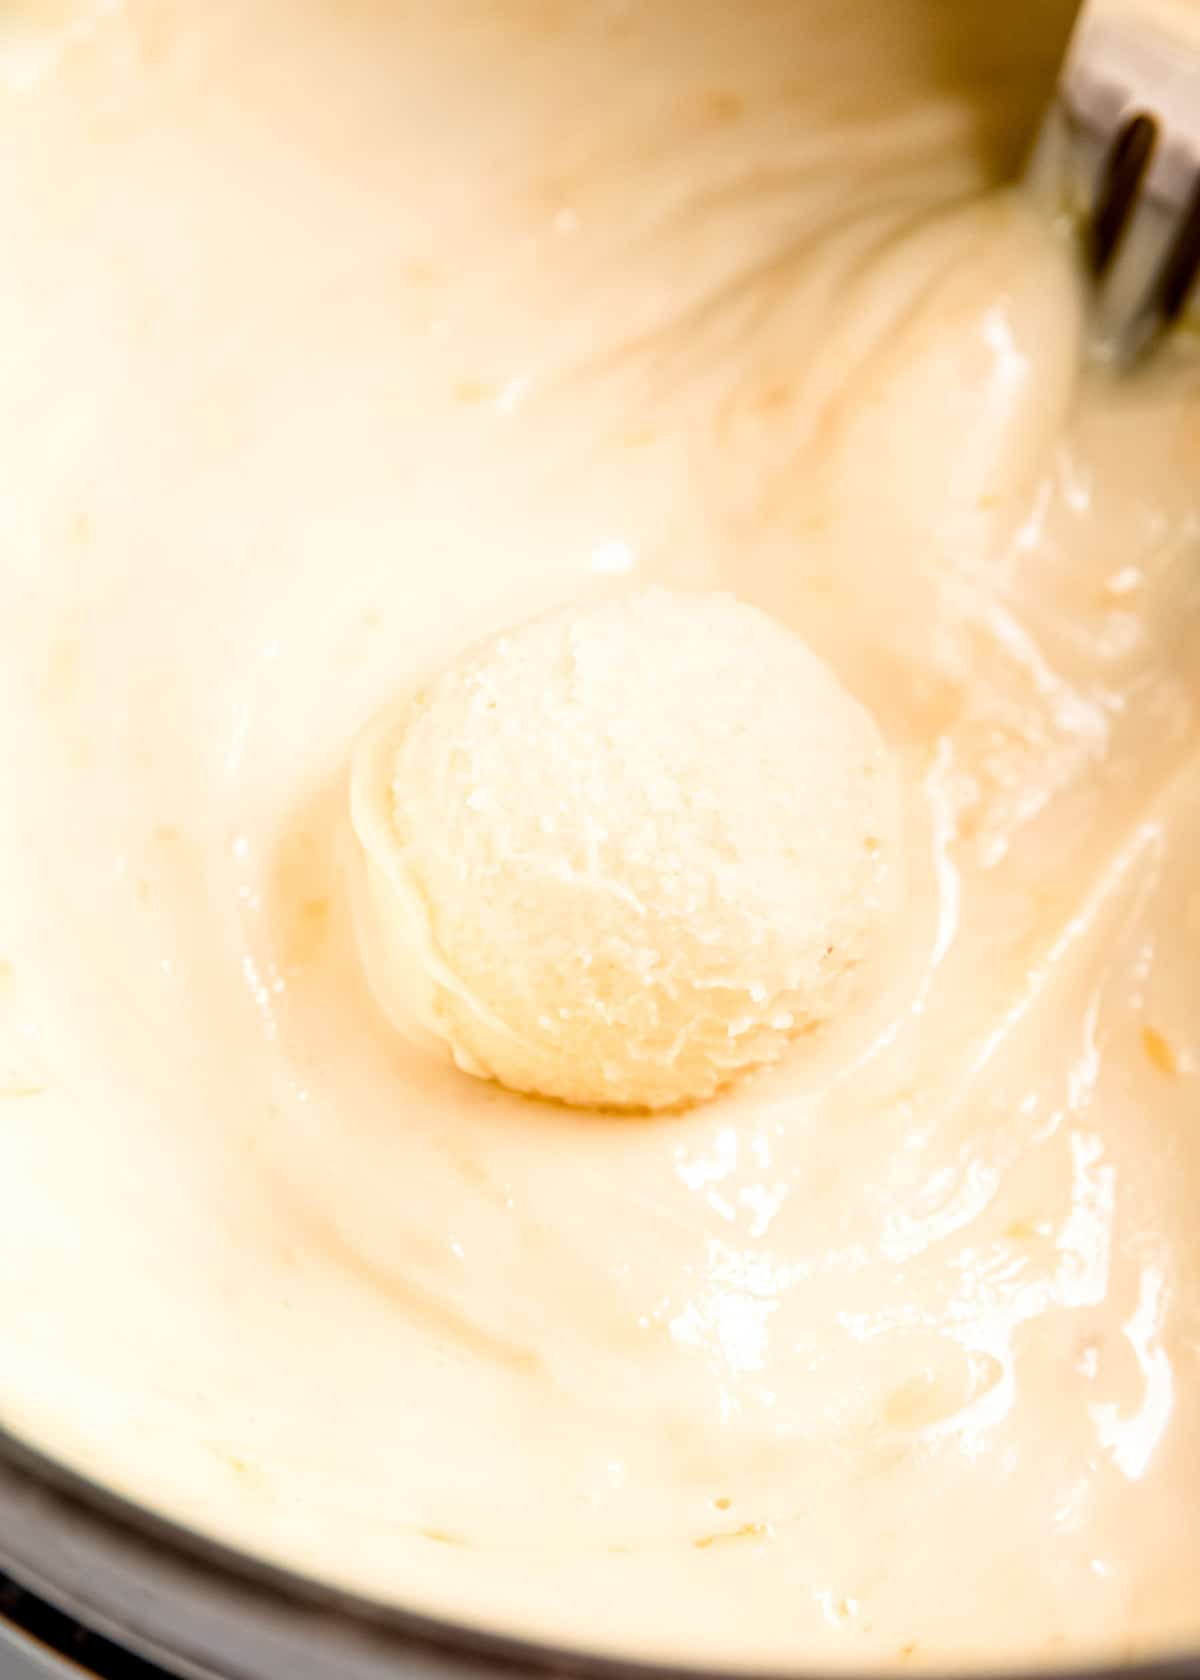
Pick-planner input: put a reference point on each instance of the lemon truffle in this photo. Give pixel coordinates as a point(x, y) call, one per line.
point(624, 853)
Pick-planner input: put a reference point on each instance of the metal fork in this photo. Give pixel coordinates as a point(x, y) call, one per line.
point(1118, 154)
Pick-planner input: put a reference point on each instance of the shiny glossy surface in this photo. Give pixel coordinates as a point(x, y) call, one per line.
point(335, 336)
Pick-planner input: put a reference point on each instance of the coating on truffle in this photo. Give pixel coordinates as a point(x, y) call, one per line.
point(624, 853)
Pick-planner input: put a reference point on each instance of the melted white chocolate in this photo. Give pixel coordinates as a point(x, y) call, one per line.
point(333, 337)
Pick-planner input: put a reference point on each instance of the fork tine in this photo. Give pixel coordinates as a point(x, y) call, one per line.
point(1183, 265)
point(1129, 296)
point(1118, 155)
point(1121, 179)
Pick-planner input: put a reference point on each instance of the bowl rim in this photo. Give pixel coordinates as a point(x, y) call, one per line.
point(204, 1610)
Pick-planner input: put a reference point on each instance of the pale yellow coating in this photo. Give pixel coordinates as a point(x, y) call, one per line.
point(626, 852)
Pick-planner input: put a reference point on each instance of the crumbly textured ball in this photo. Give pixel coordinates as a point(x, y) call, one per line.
point(624, 853)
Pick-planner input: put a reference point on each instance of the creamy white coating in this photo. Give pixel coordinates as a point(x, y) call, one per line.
point(337, 335)
point(624, 853)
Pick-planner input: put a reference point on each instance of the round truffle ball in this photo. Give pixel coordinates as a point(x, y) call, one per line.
point(624, 853)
